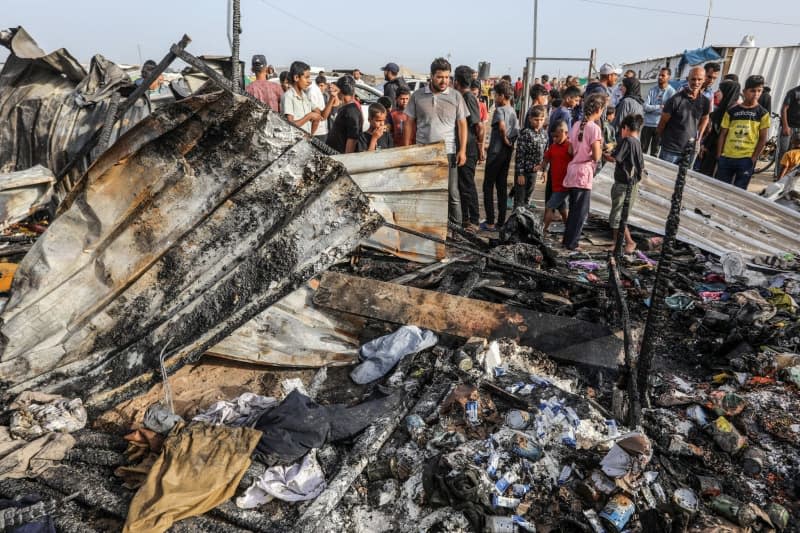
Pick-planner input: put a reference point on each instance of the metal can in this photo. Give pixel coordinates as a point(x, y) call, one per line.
point(726, 436)
point(708, 486)
point(594, 521)
point(382, 469)
point(566, 472)
point(753, 461)
point(517, 419)
point(527, 449)
point(472, 412)
point(499, 524)
point(617, 512)
point(519, 490)
point(686, 500)
point(504, 482)
point(503, 501)
point(779, 516)
point(613, 428)
point(462, 360)
point(734, 510)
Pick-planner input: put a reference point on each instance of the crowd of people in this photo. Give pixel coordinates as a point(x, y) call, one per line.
point(567, 134)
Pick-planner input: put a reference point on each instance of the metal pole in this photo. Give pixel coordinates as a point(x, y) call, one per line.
point(236, 29)
point(658, 313)
point(708, 19)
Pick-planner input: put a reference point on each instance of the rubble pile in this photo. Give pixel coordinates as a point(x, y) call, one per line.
point(215, 330)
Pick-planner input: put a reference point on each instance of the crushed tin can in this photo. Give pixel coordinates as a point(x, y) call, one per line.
point(708, 486)
point(463, 361)
point(500, 524)
point(517, 419)
point(519, 490)
point(779, 516)
point(726, 436)
point(686, 500)
point(566, 472)
point(753, 460)
point(594, 521)
point(492, 463)
point(526, 448)
point(734, 510)
point(698, 414)
point(504, 482)
point(505, 502)
point(572, 416)
point(613, 428)
point(617, 512)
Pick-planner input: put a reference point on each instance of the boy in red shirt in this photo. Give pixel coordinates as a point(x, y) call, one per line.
point(557, 157)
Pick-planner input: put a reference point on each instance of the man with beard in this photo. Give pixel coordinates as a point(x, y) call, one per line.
point(435, 113)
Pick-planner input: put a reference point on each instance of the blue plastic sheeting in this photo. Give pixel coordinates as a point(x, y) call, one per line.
point(698, 56)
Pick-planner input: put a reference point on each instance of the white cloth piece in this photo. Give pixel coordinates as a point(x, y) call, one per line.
point(382, 354)
point(236, 412)
point(31, 420)
point(295, 483)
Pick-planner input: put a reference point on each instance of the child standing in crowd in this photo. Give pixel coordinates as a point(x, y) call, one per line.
point(505, 129)
point(629, 163)
point(557, 158)
point(609, 133)
point(743, 135)
point(377, 137)
point(399, 116)
point(586, 146)
point(530, 153)
point(791, 159)
point(569, 99)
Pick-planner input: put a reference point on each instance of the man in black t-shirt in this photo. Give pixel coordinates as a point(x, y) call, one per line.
point(343, 136)
point(462, 79)
point(684, 117)
point(391, 73)
point(790, 123)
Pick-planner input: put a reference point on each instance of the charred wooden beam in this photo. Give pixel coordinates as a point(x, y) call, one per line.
point(563, 338)
point(658, 314)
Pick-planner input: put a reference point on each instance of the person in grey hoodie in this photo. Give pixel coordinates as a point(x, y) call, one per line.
point(631, 103)
point(653, 105)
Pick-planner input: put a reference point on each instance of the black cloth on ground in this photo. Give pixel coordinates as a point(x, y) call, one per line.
point(299, 424)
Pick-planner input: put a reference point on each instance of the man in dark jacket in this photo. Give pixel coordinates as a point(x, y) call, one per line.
point(391, 73)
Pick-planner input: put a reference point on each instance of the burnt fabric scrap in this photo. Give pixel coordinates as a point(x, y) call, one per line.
point(296, 483)
point(461, 489)
point(382, 354)
point(199, 468)
point(299, 424)
point(36, 413)
point(19, 458)
point(243, 410)
point(40, 525)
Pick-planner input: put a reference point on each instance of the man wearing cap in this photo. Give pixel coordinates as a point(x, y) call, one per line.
point(435, 112)
point(391, 73)
point(609, 74)
point(616, 92)
point(262, 89)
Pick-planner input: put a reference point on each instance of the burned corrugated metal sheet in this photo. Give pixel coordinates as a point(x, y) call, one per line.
point(408, 187)
point(294, 333)
point(23, 193)
point(196, 220)
point(716, 217)
point(50, 106)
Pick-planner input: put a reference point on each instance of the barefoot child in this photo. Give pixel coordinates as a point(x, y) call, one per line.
point(557, 157)
point(629, 162)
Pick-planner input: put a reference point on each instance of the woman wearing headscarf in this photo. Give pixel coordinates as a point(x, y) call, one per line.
point(729, 91)
point(632, 102)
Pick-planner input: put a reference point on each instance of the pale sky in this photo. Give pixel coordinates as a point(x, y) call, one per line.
point(410, 32)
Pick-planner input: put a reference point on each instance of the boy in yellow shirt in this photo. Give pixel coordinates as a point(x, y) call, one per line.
point(745, 128)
